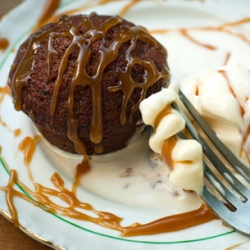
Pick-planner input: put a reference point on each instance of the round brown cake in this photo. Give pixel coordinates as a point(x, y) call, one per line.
point(82, 79)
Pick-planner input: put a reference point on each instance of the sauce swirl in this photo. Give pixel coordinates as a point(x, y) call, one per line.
point(221, 28)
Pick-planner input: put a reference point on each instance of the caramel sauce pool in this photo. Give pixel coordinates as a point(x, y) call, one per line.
point(75, 209)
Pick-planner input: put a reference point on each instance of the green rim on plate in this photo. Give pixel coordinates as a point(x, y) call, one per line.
point(2, 62)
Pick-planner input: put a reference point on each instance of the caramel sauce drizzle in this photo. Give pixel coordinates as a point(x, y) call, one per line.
point(242, 112)
point(48, 11)
point(123, 11)
point(172, 223)
point(102, 2)
point(127, 7)
point(166, 111)
point(42, 197)
point(10, 194)
point(4, 43)
point(237, 245)
point(228, 56)
point(16, 132)
point(221, 28)
point(4, 91)
point(81, 169)
point(202, 1)
point(167, 149)
point(4, 124)
point(184, 32)
point(107, 55)
point(28, 147)
point(236, 23)
point(169, 144)
point(245, 139)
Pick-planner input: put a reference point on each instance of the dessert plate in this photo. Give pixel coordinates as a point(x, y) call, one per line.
point(199, 35)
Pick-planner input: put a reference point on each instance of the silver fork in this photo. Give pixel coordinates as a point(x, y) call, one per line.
point(235, 194)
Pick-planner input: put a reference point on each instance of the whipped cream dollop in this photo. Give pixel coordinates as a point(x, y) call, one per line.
point(186, 155)
point(222, 97)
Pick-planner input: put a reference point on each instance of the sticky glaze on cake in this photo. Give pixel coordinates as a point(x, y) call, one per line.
point(81, 80)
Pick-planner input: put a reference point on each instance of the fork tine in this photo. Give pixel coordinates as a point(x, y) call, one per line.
point(240, 223)
point(237, 216)
point(213, 157)
point(222, 189)
point(228, 155)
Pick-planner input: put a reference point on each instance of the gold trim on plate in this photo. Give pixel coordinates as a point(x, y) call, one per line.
point(32, 234)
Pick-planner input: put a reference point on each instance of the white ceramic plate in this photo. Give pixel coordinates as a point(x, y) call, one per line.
point(186, 57)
